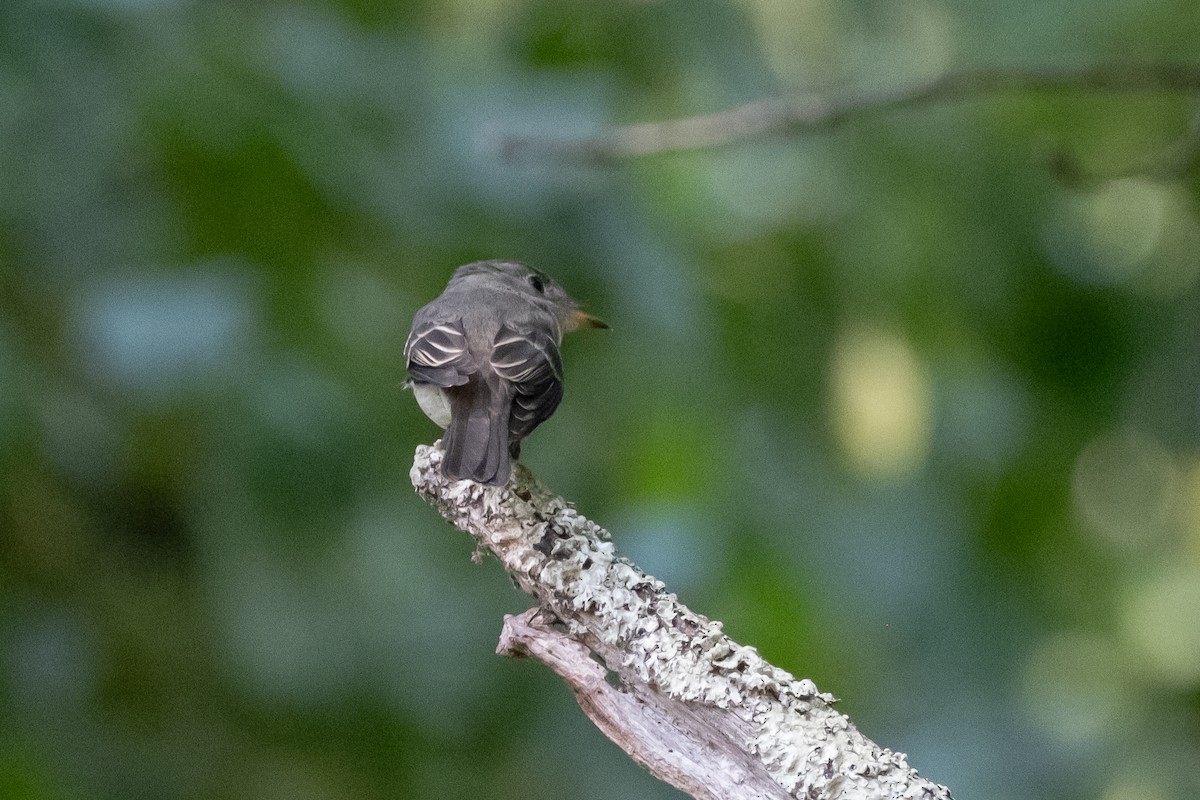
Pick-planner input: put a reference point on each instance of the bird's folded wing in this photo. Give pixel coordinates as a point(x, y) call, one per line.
point(436, 352)
point(530, 361)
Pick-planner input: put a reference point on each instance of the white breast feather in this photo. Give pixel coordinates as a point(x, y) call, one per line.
point(433, 401)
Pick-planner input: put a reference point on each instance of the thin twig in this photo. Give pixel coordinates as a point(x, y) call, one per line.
point(811, 113)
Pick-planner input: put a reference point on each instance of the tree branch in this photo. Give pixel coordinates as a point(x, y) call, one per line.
point(674, 741)
point(698, 710)
point(805, 114)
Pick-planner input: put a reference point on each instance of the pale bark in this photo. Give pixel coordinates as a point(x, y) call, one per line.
point(698, 710)
point(803, 114)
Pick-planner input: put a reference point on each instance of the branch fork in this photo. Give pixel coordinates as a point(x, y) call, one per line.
point(698, 710)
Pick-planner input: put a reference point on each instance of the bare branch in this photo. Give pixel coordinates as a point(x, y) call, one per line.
point(810, 113)
point(698, 710)
point(666, 736)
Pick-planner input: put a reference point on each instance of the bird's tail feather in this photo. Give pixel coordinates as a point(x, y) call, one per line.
point(476, 440)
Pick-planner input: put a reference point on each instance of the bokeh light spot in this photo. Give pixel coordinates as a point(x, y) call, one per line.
point(1175, 264)
point(881, 404)
point(1137, 786)
point(1123, 486)
point(156, 335)
point(1191, 513)
point(1074, 687)
point(1122, 223)
point(1134, 232)
point(798, 38)
point(1161, 621)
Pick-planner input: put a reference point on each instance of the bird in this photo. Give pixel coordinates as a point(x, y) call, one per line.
point(483, 361)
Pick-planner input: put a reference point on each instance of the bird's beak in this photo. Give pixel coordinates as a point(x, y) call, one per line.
point(582, 319)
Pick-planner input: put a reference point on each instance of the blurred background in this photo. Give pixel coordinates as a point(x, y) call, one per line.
point(902, 405)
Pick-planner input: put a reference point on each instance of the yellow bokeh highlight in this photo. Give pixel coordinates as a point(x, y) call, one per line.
point(1160, 621)
point(799, 38)
point(881, 404)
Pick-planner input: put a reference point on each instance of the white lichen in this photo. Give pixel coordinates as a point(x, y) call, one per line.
point(644, 634)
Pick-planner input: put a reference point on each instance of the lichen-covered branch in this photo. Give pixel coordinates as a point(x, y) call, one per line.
point(671, 738)
point(698, 710)
point(801, 114)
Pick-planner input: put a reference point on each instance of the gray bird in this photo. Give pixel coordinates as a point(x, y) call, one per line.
point(483, 361)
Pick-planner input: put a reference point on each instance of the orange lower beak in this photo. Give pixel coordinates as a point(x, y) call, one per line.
point(582, 319)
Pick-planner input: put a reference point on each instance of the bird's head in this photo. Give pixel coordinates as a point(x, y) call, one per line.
point(538, 286)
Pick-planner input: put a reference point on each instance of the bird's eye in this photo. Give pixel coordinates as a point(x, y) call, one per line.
point(536, 282)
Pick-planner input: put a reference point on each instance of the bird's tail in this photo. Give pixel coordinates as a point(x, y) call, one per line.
point(476, 440)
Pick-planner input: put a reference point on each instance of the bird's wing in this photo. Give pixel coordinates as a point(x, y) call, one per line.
point(436, 352)
point(530, 361)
